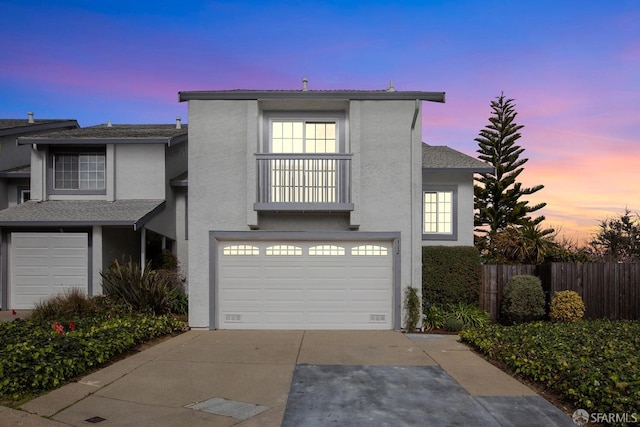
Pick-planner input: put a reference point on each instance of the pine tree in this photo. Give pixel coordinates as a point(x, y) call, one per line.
point(498, 201)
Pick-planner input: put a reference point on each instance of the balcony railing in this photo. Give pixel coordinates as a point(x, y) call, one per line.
point(320, 182)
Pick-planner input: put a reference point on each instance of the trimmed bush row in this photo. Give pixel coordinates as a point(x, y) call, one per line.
point(38, 356)
point(594, 365)
point(450, 275)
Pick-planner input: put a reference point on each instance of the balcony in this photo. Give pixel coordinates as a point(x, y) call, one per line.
point(304, 182)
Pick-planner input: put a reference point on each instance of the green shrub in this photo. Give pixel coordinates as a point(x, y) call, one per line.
point(450, 275)
point(468, 314)
point(454, 325)
point(412, 308)
point(178, 302)
point(523, 300)
point(566, 306)
point(143, 289)
point(434, 316)
point(593, 364)
point(72, 304)
point(37, 356)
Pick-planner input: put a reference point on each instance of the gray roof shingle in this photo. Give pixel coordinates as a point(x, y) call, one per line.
point(102, 134)
point(60, 213)
point(444, 159)
point(23, 127)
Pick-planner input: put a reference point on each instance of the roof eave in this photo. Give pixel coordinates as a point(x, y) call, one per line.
point(459, 170)
point(15, 174)
point(135, 223)
point(39, 127)
point(95, 141)
point(297, 94)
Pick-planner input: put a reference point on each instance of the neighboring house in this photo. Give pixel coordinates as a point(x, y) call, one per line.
point(447, 186)
point(97, 194)
point(306, 207)
point(15, 159)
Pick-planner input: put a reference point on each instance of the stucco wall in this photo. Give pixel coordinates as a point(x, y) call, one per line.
point(175, 162)
point(218, 132)
point(139, 171)
point(12, 155)
point(464, 184)
point(390, 177)
point(223, 136)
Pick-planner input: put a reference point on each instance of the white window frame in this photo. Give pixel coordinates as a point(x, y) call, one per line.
point(304, 117)
point(72, 151)
point(439, 233)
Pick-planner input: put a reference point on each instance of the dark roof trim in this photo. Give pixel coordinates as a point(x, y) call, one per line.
point(319, 94)
point(8, 174)
point(488, 169)
point(40, 127)
point(102, 141)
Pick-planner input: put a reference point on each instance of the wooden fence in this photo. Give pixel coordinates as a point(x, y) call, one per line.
point(609, 290)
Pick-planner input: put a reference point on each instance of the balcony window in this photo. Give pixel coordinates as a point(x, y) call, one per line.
point(303, 137)
point(303, 164)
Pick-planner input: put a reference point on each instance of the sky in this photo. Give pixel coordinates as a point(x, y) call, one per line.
point(572, 68)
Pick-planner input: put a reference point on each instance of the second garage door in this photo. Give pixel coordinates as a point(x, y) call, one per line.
point(43, 265)
point(304, 285)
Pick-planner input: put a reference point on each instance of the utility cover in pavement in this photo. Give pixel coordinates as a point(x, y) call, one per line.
point(228, 408)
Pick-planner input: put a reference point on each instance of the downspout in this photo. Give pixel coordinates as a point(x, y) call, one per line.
point(413, 208)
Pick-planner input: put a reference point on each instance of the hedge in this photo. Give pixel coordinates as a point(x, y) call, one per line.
point(451, 275)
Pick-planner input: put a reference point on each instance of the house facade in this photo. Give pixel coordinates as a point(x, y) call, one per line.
point(15, 160)
point(305, 207)
point(286, 209)
point(96, 194)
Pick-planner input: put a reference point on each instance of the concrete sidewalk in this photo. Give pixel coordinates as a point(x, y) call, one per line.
point(273, 378)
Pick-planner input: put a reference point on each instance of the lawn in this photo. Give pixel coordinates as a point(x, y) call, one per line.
point(590, 364)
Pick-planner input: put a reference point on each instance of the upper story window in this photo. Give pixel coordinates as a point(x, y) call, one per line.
point(439, 214)
point(303, 162)
point(304, 132)
point(78, 171)
point(301, 136)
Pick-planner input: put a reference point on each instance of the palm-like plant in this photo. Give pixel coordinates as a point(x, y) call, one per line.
point(525, 244)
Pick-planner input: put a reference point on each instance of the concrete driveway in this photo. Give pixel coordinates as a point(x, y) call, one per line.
point(295, 378)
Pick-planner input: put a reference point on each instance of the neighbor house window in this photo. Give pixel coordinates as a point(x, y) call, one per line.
point(438, 212)
point(79, 171)
point(24, 194)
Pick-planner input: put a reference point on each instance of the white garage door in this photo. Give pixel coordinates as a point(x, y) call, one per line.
point(46, 264)
point(305, 285)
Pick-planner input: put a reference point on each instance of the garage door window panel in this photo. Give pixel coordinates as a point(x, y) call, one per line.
point(283, 250)
point(240, 250)
point(369, 250)
point(326, 250)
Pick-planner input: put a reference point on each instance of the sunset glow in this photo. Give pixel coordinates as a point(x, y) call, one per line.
point(573, 68)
